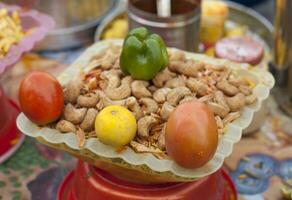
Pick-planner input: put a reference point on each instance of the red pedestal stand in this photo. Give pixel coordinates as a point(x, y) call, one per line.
point(10, 137)
point(90, 183)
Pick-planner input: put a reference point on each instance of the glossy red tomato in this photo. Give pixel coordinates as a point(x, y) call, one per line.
point(41, 97)
point(191, 134)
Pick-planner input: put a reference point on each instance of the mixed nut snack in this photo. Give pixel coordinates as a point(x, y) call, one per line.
point(166, 104)
point(152, 101)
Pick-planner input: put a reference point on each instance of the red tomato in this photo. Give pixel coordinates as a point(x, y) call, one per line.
point(191, 134)
point(41, 97)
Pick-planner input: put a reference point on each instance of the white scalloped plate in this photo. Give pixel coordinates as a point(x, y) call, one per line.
point(145, 161)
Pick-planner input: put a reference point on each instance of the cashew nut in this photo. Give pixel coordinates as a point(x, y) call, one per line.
point(218, 109)
point(160, 94)
point(121, 92)
point(139, 89)
point(220, 99)
point(72, 90)
point(88, 101)
point(88, 122)
point(206, 98)
point(189, 68)
point(175, 82)
point(188, 98)
point(162, 77)
point(250, 99)
point(145, 124)
point(236, 103)
point(236, 81)
point(148, 105)
point(176, 94)
point(152, 88)
point(134, 106)
point(224, 75)
point(197, 86)
point(74, 115)
point(215, 67)
point(108, 60)
point(105, 101)
point(112, 77)
point(177, 56)
point(165, 111)
point(245, 90)
point(65, 126)
point(227, 88)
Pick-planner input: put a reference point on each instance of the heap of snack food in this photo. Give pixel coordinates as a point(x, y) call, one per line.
point(142, 97)
point(11, 31)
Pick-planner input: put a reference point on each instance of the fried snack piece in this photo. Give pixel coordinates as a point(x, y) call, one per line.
point(11, 31)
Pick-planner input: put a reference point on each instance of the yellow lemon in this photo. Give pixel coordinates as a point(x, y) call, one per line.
point(115, 126)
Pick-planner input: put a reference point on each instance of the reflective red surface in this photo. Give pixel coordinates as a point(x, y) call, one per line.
point(10, 137)
point(88, 183)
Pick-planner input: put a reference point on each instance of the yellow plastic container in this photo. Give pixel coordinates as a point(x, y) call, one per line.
point(214, 15)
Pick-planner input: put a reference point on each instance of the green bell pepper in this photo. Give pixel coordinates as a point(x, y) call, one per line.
point(143, 54)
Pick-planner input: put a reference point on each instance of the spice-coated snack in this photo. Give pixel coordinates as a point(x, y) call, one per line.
point(151, 102)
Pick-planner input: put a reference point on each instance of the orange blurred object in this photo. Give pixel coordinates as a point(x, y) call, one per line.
point(41, 97)
point(191, 136)
point(214, 15)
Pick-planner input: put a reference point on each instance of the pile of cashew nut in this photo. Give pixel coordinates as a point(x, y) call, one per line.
point(151, 102)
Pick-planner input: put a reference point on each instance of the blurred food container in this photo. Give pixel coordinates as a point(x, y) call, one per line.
point(118, 29)
point(107, 29)
point(180, 30)
point(214, 15)
point(256, 23)
point(35, 25)
point(240, 21)
point(76, 20)
point(118, 12)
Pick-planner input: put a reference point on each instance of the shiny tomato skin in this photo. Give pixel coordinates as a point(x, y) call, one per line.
point(191, 135)
point(41, 97)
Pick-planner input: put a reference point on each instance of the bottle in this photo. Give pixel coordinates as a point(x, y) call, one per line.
point(282, 58)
